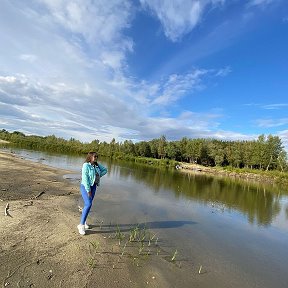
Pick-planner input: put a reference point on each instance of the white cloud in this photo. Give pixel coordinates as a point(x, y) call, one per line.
point(17, 90)
point(231, 135)
point(260, 2)
point(178, 17)
point(176, 86)
point(169, 90)
point(269, 123)
point(275, 106)
point(284, 137)
point(189, 124)
point(65, 37)
point(28, 57)
point(99, 26)
point(224, 72)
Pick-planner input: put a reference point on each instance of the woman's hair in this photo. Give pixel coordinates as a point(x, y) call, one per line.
point(89, 156)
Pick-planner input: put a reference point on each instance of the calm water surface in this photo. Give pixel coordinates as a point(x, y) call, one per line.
point(229, 227)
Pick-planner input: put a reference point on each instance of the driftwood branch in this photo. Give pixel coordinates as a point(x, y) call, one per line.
point(6, 210)
point(38, 195)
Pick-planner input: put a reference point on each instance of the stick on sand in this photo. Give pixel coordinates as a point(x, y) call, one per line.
point(37, 196)
point(6, 210)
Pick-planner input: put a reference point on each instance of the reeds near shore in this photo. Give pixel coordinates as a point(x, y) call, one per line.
point(138, 245)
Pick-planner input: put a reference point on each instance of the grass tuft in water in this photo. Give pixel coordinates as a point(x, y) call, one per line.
point(174, 256)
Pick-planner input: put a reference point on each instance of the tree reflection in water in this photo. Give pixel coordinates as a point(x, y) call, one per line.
point(260, 203)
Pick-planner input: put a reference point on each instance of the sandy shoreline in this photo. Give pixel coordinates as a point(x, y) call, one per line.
point(218, 172)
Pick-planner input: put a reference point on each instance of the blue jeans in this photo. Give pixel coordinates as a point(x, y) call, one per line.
point(87, 201)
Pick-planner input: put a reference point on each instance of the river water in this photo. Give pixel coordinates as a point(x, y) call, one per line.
point(237, 231)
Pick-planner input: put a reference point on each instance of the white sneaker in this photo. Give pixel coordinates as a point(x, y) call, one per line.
point(81, 229)
point(86, 226)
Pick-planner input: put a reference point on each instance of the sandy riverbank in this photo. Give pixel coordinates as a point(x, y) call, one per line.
point(214, 171)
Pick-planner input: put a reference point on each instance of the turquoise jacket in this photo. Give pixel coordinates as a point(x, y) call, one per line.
point(90, 173)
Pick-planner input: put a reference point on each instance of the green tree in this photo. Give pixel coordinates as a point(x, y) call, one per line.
point(154, 148)
point(143, 149)
point(183, 149)
point(162, 143)
point(273, 149)
point(128, 148)
point(172, 150)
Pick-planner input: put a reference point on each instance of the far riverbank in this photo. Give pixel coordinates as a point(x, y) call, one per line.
point(269, 177)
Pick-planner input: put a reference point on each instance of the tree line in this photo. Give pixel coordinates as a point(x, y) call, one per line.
point(264, 153)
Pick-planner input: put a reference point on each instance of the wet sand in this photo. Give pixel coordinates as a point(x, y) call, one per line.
point(41, 247)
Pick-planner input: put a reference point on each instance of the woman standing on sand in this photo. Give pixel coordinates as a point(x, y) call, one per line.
point(91, 174)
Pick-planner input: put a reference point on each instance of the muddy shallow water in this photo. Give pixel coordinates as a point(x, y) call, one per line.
point(237, 232)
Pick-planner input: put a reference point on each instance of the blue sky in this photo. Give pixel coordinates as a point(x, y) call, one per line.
point(144, 68)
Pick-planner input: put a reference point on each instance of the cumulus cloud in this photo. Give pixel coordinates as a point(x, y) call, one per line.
point(178, 17)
